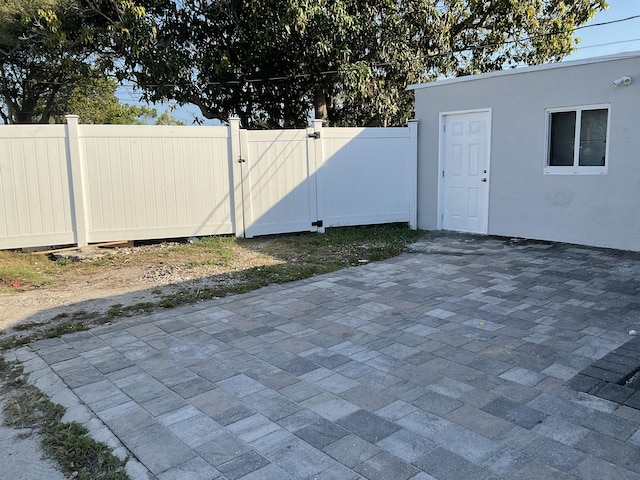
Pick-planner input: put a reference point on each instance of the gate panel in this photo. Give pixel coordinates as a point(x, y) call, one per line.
point(276, 182)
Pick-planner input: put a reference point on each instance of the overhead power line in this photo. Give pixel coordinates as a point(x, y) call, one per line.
point(619, 20)
point(631, 40)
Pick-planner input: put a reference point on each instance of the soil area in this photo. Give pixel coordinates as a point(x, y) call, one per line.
point(129, 276)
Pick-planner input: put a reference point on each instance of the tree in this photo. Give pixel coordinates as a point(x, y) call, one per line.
point(273, 62)
point(165, 118)
point(47, 46)
point(94, 100)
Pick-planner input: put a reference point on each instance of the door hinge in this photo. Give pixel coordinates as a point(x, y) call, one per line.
point(317, 224)
point(315, 135)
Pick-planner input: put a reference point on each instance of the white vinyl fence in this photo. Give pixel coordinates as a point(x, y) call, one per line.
point(82, 184)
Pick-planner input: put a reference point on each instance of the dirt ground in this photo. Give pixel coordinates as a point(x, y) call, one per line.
point(134, 275)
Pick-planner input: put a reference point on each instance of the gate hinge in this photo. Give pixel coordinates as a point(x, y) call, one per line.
point(241, 160)
point(315, 135)
point(317, 224)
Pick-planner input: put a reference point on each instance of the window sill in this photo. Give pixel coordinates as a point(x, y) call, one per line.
point(575, 170)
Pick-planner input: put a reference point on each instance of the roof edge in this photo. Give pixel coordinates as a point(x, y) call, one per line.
point(528, 69)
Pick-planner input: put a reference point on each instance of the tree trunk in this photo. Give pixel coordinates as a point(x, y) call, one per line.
point(46, 113)
point(320, 105)
point(24, 112)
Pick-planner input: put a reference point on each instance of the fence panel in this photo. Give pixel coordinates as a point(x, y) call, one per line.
point(365, 176)
point(275, 179)
point(98, 183)
point(35, 200)
point(156, 181)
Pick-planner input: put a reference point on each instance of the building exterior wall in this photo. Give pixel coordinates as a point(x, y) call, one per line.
point(600, 209)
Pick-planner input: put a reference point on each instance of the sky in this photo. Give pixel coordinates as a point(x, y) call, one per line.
point(595, 41)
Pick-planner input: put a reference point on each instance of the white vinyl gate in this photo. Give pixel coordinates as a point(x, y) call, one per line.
point(306, 180)
point(278, 185)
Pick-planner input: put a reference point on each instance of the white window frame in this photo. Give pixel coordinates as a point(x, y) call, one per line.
point(576, 169)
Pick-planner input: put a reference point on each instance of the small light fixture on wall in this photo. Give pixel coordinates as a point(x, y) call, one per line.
point(622, 81)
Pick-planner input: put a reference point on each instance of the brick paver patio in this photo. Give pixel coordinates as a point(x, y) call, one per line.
point(465, 358)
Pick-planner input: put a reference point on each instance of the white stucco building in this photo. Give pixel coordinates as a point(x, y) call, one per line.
point(547, 152)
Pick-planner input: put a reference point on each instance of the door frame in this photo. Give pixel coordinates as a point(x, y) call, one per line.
point(441, 162)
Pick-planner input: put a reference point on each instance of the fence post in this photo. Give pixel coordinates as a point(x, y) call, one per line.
point(413, 174)
point(76, 170)
point(237, 203)
point(314, 168)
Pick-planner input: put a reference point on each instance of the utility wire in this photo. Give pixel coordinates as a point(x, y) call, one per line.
point(585, 47)
point(619, 20)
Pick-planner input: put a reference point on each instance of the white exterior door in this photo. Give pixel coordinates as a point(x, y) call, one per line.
point(464, 179)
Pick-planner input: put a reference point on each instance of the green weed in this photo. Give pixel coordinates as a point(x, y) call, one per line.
point(19, 270)
point(138, 308)
point(53, 331)
point(115, 310)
